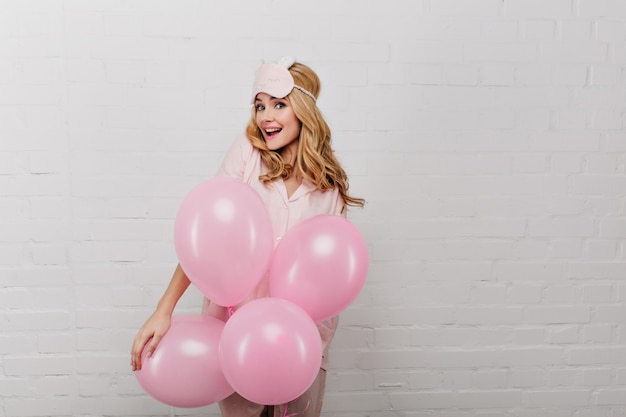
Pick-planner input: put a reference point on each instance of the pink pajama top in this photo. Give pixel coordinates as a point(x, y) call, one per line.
point(243, 161)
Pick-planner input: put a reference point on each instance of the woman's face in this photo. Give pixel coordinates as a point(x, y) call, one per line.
point(277, 121)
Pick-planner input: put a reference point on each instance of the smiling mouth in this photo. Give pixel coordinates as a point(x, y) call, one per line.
point(272, 132)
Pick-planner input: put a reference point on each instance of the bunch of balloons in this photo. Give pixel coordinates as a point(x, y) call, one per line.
point(269, 351)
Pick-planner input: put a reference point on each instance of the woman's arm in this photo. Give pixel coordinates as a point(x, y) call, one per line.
point(159, 322)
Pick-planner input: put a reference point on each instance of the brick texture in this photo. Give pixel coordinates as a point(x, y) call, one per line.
point(488, 137)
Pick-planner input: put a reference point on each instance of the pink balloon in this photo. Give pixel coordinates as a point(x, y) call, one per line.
point(321, 265)
point(184, 370)
point(271, 351)
point(224, 239)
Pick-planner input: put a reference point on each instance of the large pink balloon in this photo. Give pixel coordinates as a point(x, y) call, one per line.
point(224, 239)
point(321, 265)
point(271, 351)
point(185, 370)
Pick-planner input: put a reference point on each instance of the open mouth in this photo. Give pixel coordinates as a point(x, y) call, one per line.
point(272, 132)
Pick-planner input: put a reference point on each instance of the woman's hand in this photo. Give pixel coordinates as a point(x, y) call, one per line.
point(158, 323)
point(150, 334)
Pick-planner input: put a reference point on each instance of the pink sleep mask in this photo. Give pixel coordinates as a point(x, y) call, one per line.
point(276, 80)
point(272, 79)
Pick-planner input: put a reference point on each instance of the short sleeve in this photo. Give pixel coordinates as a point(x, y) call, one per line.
point(234, 163)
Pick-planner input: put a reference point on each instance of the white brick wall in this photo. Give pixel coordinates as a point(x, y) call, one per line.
point(488, 136)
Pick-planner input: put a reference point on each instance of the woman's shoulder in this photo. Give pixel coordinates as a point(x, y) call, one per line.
point(242, 141)
point(242, 148)
point(239, 158)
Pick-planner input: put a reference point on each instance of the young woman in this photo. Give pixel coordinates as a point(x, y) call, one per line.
point(286, 156)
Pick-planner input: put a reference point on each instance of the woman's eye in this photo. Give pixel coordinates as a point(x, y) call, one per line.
point(260, 107)
point(280, 105)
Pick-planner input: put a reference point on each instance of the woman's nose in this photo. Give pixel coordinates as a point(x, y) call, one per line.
point(268, 115)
